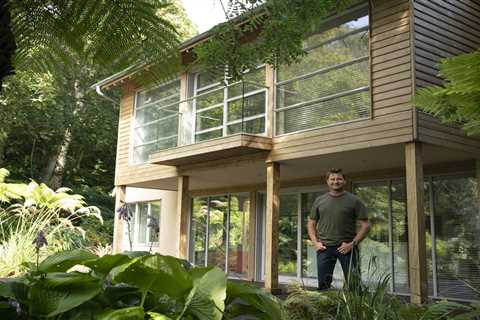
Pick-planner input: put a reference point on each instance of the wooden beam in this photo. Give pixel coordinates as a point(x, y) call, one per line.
point(271, 233)
point(417, 252)
point(252, 223)
point(118, 229)
point(183, 208)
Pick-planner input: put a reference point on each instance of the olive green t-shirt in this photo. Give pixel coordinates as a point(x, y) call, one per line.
point(336, 217)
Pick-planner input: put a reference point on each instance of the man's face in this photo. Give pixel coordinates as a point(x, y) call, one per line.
point(335, 182)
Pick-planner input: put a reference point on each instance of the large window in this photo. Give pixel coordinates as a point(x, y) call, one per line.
point(219, 232)
point(145, 223)
point(156, 120)
point(384, 253)
point(331, 83)
point(223, 110)
point(453, 225)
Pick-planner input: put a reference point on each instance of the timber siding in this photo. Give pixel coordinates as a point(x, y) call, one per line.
point(443, 28)
point(391, 89)
point(125, 172)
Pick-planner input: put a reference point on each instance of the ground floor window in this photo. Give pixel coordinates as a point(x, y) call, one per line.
point(453, 237)
point(145, 224)
point(384, 253)
point(219, 232)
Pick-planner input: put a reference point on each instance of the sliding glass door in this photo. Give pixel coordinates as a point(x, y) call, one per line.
point(219, 232)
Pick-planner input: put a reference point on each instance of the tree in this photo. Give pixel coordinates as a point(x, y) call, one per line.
point(78, 42)
point(458, 100)
point(7, 42)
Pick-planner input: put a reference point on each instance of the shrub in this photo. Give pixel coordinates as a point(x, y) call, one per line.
point(37, 208)
point(134, 285)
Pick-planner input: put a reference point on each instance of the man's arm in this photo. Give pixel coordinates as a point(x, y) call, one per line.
point(312, 233)
point(346, 247)
point(362, 232)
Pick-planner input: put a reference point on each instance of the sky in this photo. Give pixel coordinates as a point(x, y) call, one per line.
point(205, 13)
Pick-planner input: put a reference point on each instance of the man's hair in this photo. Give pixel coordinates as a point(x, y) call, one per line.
point(335, 171)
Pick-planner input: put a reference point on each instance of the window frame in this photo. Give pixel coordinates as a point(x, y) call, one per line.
point(135, 228)
point(336, 20)
point(218, 86)
point(134, 126)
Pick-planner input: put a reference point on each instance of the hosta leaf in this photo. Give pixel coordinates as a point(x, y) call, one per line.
point(206, 300)
point(60, 292)
point(247, 299)
point(154, 273)
point(103, 265)
point(62, 261)
point(157, 316)
point(133, 313)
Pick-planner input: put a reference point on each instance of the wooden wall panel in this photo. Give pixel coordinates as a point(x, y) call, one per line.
point(390, 49)
point(443, 28)
point(125, 172)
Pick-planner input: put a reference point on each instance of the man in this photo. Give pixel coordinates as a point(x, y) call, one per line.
point(332, 227)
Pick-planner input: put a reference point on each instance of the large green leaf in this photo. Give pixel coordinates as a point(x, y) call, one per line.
point(155, 273)
point(243, 299)
point(64, 260)
point(60, 292)
point(157, 316)
point(133, 313)
point(103, 265)
point(206, 300)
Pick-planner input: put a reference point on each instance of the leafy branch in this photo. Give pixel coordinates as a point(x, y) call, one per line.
point(257, 31)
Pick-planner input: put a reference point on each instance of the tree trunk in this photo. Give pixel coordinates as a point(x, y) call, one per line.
point(61, 161)
point(47, 171)
point(56, 176)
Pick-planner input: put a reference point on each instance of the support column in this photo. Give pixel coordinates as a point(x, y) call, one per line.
point(118, 230)
point(271, 232)
point(417, 252)
point(252, 224)
point(183, 208)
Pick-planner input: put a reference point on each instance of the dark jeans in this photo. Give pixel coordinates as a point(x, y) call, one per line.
point(326, 260)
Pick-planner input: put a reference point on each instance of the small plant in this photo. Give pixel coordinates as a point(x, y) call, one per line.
point(126, 214)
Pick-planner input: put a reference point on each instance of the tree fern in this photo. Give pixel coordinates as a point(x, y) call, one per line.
point(116, 33)
point(458, 101)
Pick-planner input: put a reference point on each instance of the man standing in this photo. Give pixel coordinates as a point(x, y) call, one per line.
point(332, 227)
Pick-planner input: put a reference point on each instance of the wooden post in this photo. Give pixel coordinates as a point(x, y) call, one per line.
point(417, 252)
point(183, 208)
point(118, 230)
point(271, 233)
point(252, 224)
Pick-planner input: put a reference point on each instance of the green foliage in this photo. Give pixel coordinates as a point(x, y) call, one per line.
point(369, 303)
point(131, 286)
point(115, 33)
point(459, 99)
point(38, 208)
point(282, 25)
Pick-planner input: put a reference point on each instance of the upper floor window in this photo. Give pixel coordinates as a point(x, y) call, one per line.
point(223, 110)
point(145, 223)
point(156, 120)
point(331, 83)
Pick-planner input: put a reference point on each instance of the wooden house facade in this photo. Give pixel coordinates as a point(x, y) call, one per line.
point(232, 170)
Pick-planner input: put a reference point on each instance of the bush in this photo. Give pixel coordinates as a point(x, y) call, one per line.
point(134, 285)
point(36, 209)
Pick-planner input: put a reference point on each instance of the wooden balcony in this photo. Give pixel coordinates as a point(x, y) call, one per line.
point(215, 149)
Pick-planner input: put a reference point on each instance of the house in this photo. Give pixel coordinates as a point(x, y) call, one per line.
point(232, 171)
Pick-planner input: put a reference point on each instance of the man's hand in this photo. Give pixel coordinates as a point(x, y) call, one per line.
point(319, 246)
point(345, 248)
